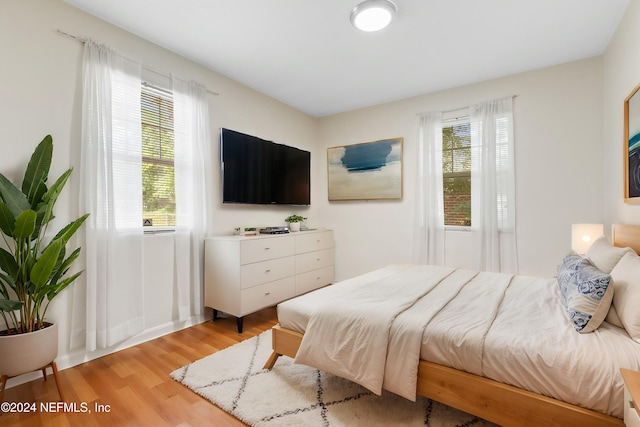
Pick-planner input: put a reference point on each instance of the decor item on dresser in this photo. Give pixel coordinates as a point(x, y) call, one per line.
point(294, 222)
point(33, 267)
point(632, 147)
point(250, 231)
point(245, 274)
point(366, 171)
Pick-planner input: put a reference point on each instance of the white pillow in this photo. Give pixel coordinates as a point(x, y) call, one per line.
point(605, 256)
point(612, 315)
point(626, 293)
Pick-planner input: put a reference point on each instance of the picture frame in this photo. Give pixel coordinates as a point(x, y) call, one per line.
point(365, 171)
point(632, 147)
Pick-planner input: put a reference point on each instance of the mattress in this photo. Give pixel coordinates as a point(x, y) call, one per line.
point(512, 329)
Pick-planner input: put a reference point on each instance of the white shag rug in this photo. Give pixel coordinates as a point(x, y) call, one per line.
point(297, 395)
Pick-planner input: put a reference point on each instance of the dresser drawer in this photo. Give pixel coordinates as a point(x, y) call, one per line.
point(311, 280)
point(309, 242)
point(314, 260)
point(266, 295)
point(266, 271)
point(262, 249)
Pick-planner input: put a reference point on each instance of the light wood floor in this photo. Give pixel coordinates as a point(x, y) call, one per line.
point(135, 383)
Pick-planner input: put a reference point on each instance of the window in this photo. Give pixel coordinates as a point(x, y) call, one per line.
point(456, 172)
point(158, 189)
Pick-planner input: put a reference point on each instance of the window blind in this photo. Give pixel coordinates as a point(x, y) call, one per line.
point(158, 189)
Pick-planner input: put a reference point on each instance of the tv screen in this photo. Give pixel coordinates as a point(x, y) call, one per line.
point(256, 171)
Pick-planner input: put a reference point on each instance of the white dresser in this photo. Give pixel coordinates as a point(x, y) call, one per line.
point(245, 274)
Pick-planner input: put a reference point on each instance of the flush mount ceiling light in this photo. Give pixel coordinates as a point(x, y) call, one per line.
point(373, 15)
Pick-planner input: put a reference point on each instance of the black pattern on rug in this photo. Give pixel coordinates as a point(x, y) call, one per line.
point(294, 395)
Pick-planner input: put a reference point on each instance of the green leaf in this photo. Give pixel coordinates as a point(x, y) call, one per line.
point(14, 198)
point(4, 281)
point(25, 224)
point(53, 291)
point(7, 219)
point(10, 305)
point(70, 229)
point(42, 269)
point(38, 170)
point(63, 266)
point(8, 264)
point(41, 210)
point(40, 192)
point(51, 196)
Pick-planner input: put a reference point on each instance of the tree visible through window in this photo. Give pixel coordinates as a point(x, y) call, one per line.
point(158, 189)
point(456, 172)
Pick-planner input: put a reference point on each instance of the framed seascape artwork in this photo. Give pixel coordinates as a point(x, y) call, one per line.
point(632, 147)
point(366, 171)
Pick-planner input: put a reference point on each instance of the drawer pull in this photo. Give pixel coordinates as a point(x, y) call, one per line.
point(267, 271)
point(266, 294)
point(318, 278)
point(317, 259)
point(266, 249)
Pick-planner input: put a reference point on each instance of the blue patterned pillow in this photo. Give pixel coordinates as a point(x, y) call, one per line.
point(567, 270)
point(586, 292)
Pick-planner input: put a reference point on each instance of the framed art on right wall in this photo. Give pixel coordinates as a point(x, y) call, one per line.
point(632, 147)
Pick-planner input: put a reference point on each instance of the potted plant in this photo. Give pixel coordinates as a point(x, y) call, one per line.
point(294, 222)
point(33, 264)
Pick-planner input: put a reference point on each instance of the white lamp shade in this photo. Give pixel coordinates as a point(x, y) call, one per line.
point(373, 15)
point(583, 235)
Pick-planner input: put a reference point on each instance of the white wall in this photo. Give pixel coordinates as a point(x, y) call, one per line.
point(40, 77)
point(621, 74)
point(559, 168)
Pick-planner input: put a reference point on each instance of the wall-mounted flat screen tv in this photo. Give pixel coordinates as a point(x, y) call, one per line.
point(255, 171)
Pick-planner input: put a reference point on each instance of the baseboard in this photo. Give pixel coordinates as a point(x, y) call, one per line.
point(81, 356)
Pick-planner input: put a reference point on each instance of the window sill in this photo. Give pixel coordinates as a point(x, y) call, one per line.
point(158, 230)
point(457, 228)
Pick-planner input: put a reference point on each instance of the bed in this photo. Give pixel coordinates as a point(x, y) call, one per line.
point(515, 357)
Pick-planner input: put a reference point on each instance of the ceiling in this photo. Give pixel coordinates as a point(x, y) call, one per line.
point(306, 54)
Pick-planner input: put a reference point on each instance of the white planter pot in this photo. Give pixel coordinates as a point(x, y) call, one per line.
point(28, 352)
point(294, 226)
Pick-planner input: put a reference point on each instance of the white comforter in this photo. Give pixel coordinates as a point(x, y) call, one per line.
point(512, 329)
point(349, 336)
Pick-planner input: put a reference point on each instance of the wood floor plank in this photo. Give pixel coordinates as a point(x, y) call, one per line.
point(132, 387)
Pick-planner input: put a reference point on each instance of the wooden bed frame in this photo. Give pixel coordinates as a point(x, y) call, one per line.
point(491, 400)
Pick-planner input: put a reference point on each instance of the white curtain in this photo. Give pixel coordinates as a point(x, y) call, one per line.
point(111, 192)
point(429, 236)
point(493, 186)
point(193, 215)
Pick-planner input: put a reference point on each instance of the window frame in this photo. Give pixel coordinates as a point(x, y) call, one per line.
point(167, 95)
point(459, 117)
